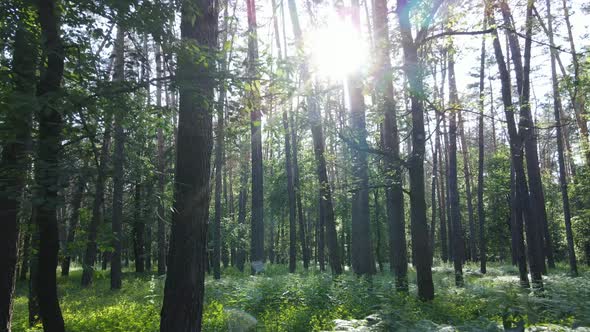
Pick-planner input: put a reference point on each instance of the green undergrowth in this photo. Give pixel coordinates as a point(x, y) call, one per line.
point(311, 301)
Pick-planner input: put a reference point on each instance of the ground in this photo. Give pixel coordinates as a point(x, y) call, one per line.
point(313, 301)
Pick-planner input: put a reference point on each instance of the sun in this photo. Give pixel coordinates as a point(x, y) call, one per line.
point(336, 49)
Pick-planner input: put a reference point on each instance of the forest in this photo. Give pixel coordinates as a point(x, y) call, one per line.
point(294, 165)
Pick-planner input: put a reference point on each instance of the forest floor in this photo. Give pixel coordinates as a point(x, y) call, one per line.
point(313, 301)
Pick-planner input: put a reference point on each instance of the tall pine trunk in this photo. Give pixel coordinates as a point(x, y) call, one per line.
point(458, 249)
point(480, 162)
point(182, 308)
point(257, 222)
point(315, 121)
point(47, 166)
point(560, 155)
point(14, 164)
point(398, 259)
point(118, 165)
point(419, 227)
point(362, 254)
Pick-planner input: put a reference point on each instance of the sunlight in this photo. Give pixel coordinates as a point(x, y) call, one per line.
point(336, 49)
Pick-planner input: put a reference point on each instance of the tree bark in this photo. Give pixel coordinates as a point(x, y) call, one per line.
point(419, 226)
point(480, 162)
point(118, 165)
point(161, 211)
point(560, 155)
point(182, 308)
point(257, 222)
point(528, 136)
point(362, 253)
point(97, 206)
point(398, 259)
point(74, 220)
point(458, 241)
point(468, 188)
point(315, 122)
point(138, 231)
point(48, 170)
point(522, 206)
point(14, 164)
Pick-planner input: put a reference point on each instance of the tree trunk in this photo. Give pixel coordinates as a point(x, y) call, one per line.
point(257, 223)
point(468, 188)
point(528, 137)
point(48, 170)
point(480, 162)
point(577, 96)
point(441, 196)
point(521, 206)
point(560, 154)
point(182, 308)
point(14, 164)
point(97, 206)
point(242, 203)
point(458, 254)
point(315, 122)
point(118, 165)
point(138, 231)
point(362, 254)
point(161, 212)
point(419, 226)
point(398, 259)
point(74, 220)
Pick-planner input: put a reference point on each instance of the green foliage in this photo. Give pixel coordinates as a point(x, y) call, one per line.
point(311, 301)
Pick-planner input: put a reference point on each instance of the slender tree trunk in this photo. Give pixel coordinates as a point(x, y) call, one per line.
point(74, 221)
point(480, 163)
point(161, 211)
point(560, 154)
point(577, 97)
point(468, 188)
point(138, 231)
point(398, 259)
point(378, 231)
point(458, 254)
point(98, 206)
point(47, 165)
point(315, 122)
point(148, 213)
point(529, 139)
point(441, 198)
point(220, 152)
point(257, 223)
point(118, 165)
point(182, 308)
point(14, 164)
point(291, 195)
point(242, 202)
point(303, 230)
point(362, 254)
point(521, 206)
point(419, 226)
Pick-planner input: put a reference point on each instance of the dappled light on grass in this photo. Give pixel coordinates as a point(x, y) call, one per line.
point(313, 301)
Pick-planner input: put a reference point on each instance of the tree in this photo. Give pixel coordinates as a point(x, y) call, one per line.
point(480, 164)
point(14, 161)
point(47, 165)
point(182, 308)
point(560, 155)
point(362, 253)
point(257, 235)
point(458, 249)
point(419, 227)
point(393, 170)
point(118, 165)
point(315, 120)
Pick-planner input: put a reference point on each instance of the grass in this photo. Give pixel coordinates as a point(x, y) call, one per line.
point(311, 301)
